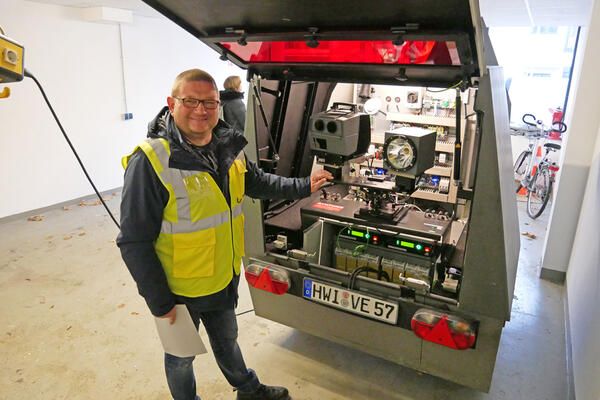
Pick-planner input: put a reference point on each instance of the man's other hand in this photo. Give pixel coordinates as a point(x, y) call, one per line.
point(318, 179)
point(171, 315)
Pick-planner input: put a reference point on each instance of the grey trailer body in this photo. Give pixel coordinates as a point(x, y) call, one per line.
point(418, 270)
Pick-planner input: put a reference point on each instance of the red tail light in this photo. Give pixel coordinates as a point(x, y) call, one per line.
point(268, 278)
point(444, 329)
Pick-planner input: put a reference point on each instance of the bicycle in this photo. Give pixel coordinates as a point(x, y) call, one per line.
point(537, 179)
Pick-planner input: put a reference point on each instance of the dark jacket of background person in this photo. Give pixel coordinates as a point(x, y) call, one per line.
point(234, 109)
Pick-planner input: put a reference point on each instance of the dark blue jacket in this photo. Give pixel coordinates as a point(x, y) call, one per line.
point(234, 109)
point(144, 198)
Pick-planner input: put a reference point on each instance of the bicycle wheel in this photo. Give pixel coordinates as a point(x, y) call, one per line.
point(520, 167)
point(539, 193)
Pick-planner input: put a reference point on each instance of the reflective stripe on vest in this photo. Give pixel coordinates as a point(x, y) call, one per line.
point(196, 214)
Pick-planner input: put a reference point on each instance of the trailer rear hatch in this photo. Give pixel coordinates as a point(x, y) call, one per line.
point(410, 42)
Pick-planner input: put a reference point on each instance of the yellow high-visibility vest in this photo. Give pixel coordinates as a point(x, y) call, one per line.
point(201, 240)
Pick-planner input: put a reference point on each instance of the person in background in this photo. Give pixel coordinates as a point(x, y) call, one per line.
point(182, 226)
point(234, 109)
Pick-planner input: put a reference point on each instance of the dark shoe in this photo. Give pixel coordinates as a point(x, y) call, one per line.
point(265, 392)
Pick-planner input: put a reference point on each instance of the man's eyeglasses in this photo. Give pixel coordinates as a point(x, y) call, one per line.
point(190, 102)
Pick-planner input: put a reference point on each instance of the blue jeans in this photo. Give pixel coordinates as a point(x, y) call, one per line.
point(222, 330)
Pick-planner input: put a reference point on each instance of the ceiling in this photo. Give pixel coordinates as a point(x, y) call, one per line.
point(495, 12)
point(536, 12)
point(137, 6)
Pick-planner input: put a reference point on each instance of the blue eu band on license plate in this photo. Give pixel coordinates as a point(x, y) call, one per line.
point(351, 301)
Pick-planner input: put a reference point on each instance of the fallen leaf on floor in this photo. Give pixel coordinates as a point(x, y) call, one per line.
point(529, 235)
point(67, 237)
point(81, 233)
point(36, 218)
point(69, 327)
point(28, 279)
point(84, 203)
point(20, 380)
point(135, 313)
point(52, 306)
point(121, 305)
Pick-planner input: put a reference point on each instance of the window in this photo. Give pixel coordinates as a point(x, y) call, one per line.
point(537, 63)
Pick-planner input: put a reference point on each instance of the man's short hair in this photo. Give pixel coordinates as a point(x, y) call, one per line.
point(232, 82)
point(192, 75)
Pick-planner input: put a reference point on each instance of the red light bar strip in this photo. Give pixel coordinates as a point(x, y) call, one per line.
point(347, 52)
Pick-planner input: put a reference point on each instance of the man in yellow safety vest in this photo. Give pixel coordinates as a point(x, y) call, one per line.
point(182, 226)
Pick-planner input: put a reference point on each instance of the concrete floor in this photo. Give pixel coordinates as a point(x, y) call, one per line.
point(74, 327)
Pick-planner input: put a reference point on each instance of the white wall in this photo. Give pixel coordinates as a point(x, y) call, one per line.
point(573, 231)
point(583, 119)
point(79, 65)
point(583, 290)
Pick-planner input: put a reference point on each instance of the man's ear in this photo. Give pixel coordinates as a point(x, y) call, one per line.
point(171, 103)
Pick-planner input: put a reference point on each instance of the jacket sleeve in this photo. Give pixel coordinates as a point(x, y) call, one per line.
point(143, 201)
point(234, 113)
point(262, 185)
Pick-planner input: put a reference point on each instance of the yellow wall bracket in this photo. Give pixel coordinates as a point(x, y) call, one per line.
point(5, 93)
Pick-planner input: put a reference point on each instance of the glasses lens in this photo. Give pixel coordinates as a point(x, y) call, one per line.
point(210, 104)
point(190, 103)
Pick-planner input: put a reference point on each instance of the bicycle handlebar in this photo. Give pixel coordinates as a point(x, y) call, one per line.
point(536, 123)
point(562, 127)
point(519, 131)
point(540, 130)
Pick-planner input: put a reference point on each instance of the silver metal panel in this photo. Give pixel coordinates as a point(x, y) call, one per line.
point(473, 367)
point(312, 240)
point(376, 338)
point(469, 148)
point(491, 265)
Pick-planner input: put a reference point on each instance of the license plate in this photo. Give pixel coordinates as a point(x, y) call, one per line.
point(351, 301)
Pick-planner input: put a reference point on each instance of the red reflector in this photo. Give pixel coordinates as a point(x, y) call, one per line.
point(260, 277)
point(435, 327)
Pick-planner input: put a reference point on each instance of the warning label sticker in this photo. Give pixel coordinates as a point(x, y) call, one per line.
point(328, 207)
